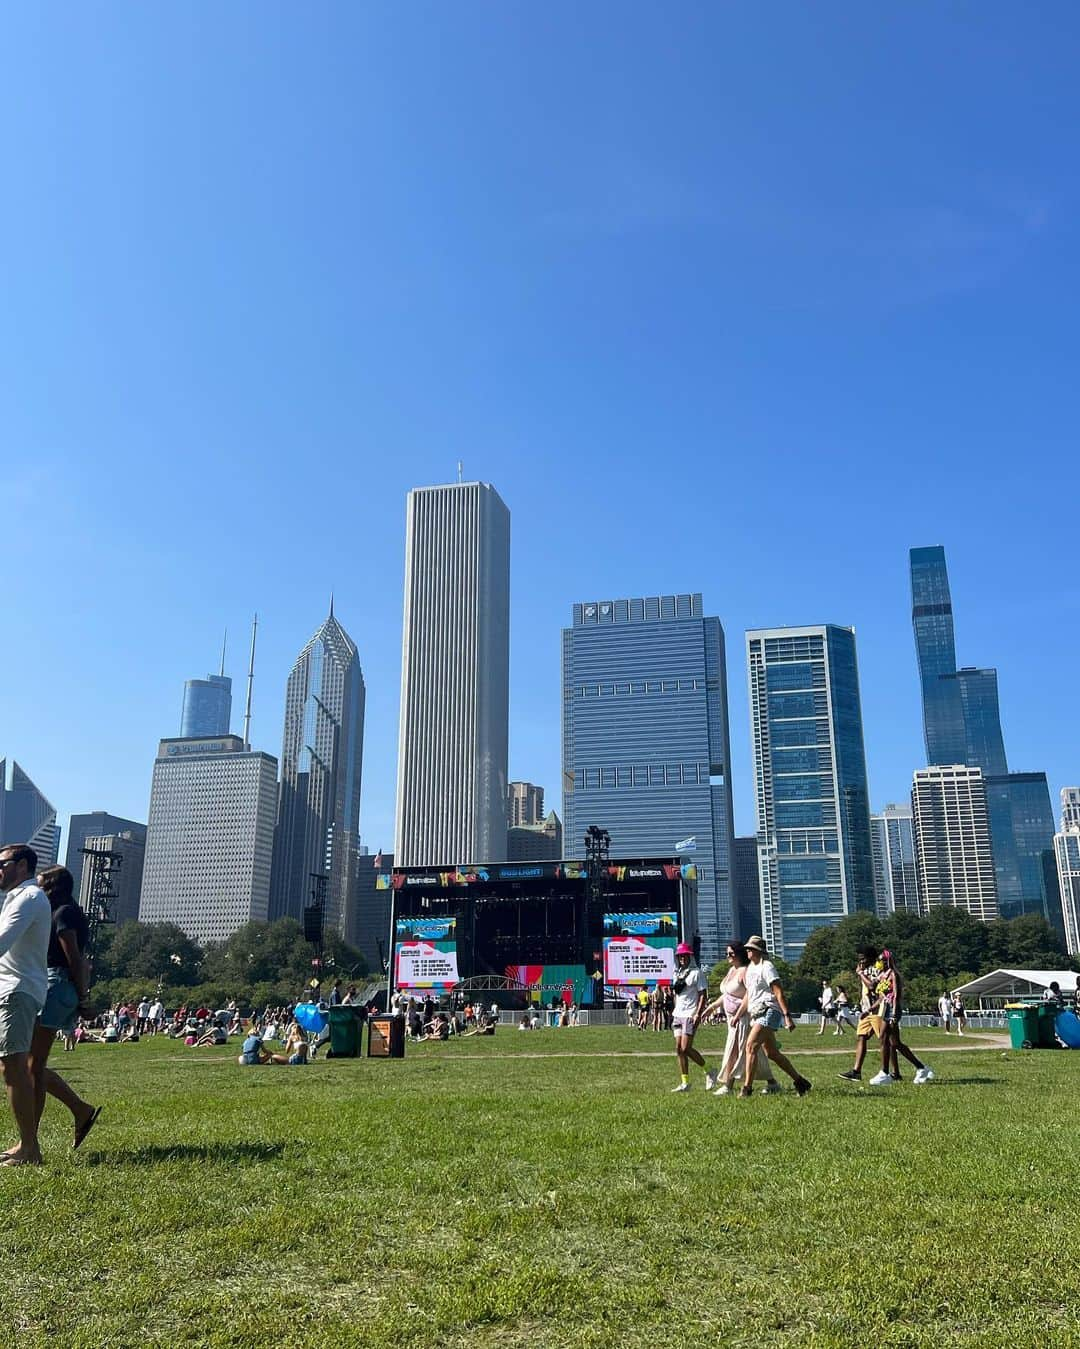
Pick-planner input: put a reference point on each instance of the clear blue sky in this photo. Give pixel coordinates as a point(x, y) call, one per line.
point(730, 298)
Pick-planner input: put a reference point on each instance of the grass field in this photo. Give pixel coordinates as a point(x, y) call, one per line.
point(547, 1190)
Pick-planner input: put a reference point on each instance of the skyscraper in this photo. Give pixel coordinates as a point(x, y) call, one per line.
point(895, 880)
point(209, 838)
point(98, 823)
point(746, 886)
point(207, 706)
point(524, 804)
point(318, 815)
point(962, 724)
point(455, 677)
point(645, 750)
point(26, 815)
point(953, 857)
point(813, 803)
point(1067, 852)
point(539, 842)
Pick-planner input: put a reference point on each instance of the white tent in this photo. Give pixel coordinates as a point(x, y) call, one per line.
point(993, 990)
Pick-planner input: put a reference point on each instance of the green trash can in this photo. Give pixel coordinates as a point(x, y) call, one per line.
point(1047, 1015)
point(1024, 1027)
point(345, 1039)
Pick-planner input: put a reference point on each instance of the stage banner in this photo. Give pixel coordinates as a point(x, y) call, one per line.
point(425, 954)
point(568, 983)
point(639, 948)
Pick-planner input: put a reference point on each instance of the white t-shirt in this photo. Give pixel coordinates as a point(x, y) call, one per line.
point(826, 997)
point(686, 1002)
point(25, 928)
point(945, 1007)
point(759, 979)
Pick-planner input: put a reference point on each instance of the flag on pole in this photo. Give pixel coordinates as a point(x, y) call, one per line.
point(378, 860)
point(687, 844)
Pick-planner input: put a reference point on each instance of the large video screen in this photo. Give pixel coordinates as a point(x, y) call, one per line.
point(639, 948)
point(425, 954)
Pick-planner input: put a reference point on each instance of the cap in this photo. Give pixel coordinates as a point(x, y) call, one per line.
point(756, 943)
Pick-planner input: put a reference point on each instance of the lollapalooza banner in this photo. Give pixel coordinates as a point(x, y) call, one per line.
point(425, 953)
point(569, 983)
point(639, 948)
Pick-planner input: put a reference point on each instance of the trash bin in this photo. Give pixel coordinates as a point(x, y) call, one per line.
point(345, 1038)
point(1047, 1015)
point(386, 1037)
point(1024, 1027)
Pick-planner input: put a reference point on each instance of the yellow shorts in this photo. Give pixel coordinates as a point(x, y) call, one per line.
point(870, 1025)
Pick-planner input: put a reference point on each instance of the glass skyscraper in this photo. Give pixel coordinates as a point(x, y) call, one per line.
point(1067, 848)
point(895, 880)
point(645, 750)
point(26, 816)
point(962, 726)
point(813, 805)
point(207, 706)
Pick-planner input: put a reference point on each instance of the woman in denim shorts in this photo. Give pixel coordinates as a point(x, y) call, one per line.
point(69, 978)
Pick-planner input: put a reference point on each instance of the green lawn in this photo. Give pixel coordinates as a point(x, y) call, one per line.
point(477, 1195)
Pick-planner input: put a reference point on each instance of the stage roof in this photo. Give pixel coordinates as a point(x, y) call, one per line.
point(1017, 983)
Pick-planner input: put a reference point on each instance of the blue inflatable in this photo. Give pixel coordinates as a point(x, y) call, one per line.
point(1067, 1026)
point(309, 1016)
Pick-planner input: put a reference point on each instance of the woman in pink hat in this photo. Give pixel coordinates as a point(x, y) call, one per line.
point(691, 990)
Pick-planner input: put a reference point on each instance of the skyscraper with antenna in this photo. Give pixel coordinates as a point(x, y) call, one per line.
point(207, 706)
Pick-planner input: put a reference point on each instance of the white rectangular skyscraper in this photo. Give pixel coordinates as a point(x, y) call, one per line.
point(953, 854)
point(455, 677)
point(210, 837)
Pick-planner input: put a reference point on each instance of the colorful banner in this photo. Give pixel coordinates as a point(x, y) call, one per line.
point(568, 983)
point(639, 948)
point(619, 873)
point(425, 954)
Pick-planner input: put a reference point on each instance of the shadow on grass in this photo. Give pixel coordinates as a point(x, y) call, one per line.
point(188, 1152)
point(966, 1081)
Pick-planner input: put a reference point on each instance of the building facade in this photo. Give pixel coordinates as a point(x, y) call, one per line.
point(125, 879)
point(895, 880)
point(524, 804)
point(322, 746)
point(370, 922)
point(97, 824)
point(815, 855)
point(1067, 858)
point(645, 746)
point(207, 706)
point(210, 836)
point(1022, 836)
point(27, 815)
point(540, 842)
point(953, 855)
point(746, 886)
point(455, 677)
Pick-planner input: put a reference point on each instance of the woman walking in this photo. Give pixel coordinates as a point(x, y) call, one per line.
point(691, 994)
point(732, 993)
point(768, 1011)
point(69, 982)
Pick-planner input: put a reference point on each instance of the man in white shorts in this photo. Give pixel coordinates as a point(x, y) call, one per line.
point(691, 990)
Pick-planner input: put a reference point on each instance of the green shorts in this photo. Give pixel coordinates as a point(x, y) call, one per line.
point(18, 1014)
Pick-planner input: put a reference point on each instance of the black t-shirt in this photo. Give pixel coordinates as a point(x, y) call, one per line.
point(67, 918)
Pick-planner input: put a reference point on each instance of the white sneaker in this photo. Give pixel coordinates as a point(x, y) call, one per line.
point(711, 1079)
point(683, 1086)
point(722, 1090)
point(924, 1075)
point(770, 1089)
point(881, 1079)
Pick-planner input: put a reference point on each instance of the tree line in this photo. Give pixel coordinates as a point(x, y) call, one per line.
point(260, 963)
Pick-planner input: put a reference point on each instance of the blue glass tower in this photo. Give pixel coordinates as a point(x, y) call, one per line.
point(815, 853)
point(207, 706)
point(645, 740)
point(1022, 834)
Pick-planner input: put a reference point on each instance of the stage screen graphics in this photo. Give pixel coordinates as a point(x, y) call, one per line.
point(639, 948)
point(425, 954)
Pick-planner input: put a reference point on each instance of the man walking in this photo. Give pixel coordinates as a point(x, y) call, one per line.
point(25, 927)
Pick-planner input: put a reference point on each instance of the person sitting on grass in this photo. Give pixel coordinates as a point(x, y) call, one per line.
point(216, 1035)
point(439, 1028)
point(252, 1052)
point(768, 1011)
point(296, 1047)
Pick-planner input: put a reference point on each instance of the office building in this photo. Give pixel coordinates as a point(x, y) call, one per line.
point(26, 814)
point(954, 860)
point(539, 842)
point(369, 924)
point(125, 875)
point(318, 815)
point(207, 706)
point(1067, 856)
point(813, 804)
point(210, 836)
point(455, 677)
point(1022, 837)
point(524, 804)
point(645, 751)
point(895, 882)
point(746, 886)
point(98, 824)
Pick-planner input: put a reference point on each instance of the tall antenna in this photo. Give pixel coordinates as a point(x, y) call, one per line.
point(251, 678)
point(223, 642)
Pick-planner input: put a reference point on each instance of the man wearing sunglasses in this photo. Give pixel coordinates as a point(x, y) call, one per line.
point(25, 925)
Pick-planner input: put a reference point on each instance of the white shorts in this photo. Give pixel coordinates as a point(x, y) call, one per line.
point(683, 1025)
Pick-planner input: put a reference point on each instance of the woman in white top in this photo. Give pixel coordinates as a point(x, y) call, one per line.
point(767, 1008)
point(732, 993)
point(691, 994)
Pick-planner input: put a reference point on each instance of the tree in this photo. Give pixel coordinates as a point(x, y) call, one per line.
point(148, 952)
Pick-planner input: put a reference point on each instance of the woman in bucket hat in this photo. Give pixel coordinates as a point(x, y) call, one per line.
point(691, 990)
point(767, 1008)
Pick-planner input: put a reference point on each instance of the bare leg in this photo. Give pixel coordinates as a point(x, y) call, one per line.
point(860, 1052)
point(781, 1060)
point(20, 1092)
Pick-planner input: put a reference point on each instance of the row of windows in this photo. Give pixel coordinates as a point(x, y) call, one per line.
point(641, 775)
point(625, 687)
point(796, 844)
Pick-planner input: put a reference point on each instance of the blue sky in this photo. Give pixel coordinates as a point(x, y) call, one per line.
point(725, 298)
